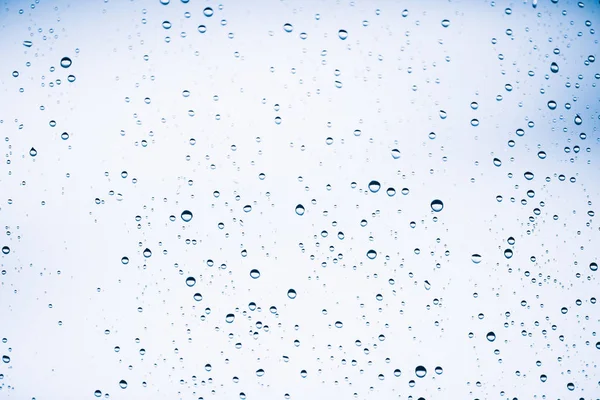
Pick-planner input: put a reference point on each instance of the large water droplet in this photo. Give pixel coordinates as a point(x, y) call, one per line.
point(125, 260)
point(476, 258)
point(395, 154)
point(65, 62)
point(374, 186)
point(437, 205)
point(190, 281)
point(300, 209)
point(229, 318)
point(33, 152)
point(491, 336)
point(420, 371)
point(594, 267)
point(288, 28)
point(291, 294)
point(208, 12)
point(371, 254)
point(147, 253)
point(577, 120)
point(187, 215)
point(554, 67)
point(5, 249)
point(552, 105)
point(254, 274)
point(123, 384)
point(342, 34)
point(5, 359)
point(508, 253)
point(445, 23)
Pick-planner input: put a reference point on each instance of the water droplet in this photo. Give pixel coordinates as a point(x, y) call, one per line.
point(186, 215)
point(371, 254)
point(391, 192)
point(491, 336)
point(190, 281)
point(166, 25)
point(594, 267)
point(395, 154)
point(65, 62)
point(255, 274)
point(528, 175)
point(497, 162)
point(374, 186)
point(397, 372)
point(125, 260)
point(291, 294)
point(98, 393)
point(571, 386)
point(552, 105)
point(5, 359)
point(445, 23)
point(202, 28)
point(343, 34)
point(564, 310)
point(33, 152)
point(147, 253)
point(508, 253)
point(542, 154)
point(208, 12)
point(554, 67)
point(543, 378)
point(197, 297)
point(247, 208)
point(123, 384)
point(577, 120)
point(288, 28)
point(474, 105)
point(229, 318)
point(437, 205)
point(476, 258)
point(339, 324)
point(357, 132)
point(439, 370)
point(474, 122)
point(27, 43)
point(5, 249)
point(300, 209)
point(420, 371)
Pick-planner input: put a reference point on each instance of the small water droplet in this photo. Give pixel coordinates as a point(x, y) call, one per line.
point(339, 324)
point(208, 12)
point(260, 372)
point(476, 258)
point(577, 120)
point(554, 67)
point(33, 152)
point(445, 23)
point(27, 43)
point(5, 359)
point(342, 34)
point(300, 209)
point(288, 28)
point(542, 154)
point(229, 318)
point(125, 260)
point(147, 253)
point(508, 253)
point(395, 154)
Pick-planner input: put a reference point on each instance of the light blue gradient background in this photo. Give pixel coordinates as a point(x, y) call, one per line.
point(397, 73)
